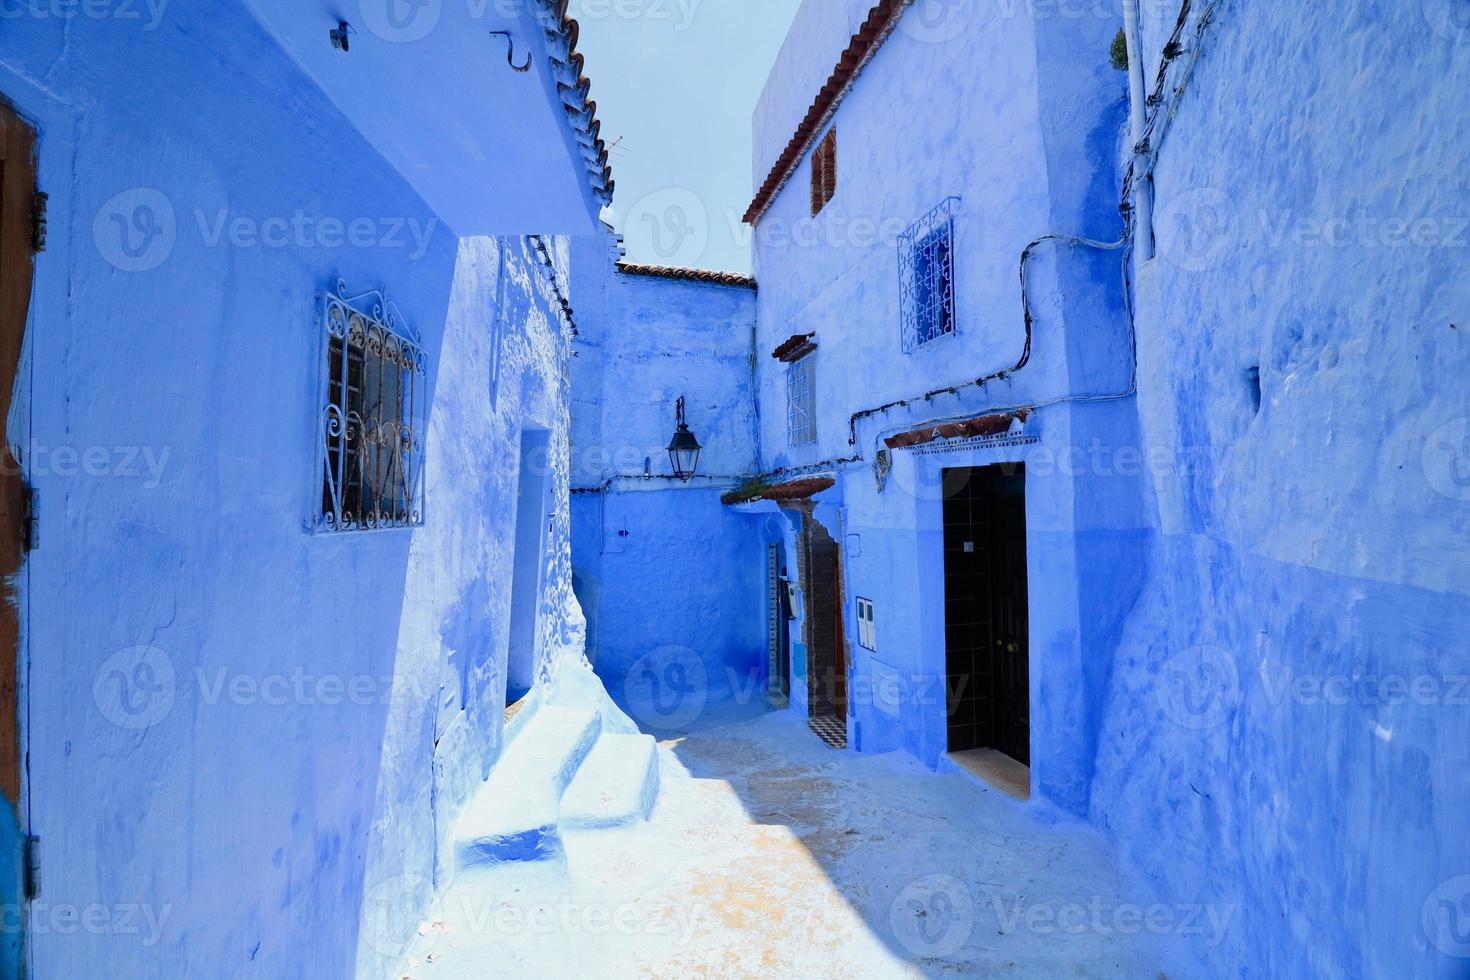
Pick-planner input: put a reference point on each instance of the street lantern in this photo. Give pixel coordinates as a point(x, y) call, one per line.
point(684, 449)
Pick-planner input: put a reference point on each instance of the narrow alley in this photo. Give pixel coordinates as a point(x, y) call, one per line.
point(769, 489)
point(770, 854)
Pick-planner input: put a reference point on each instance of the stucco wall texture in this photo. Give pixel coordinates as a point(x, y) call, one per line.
point(1289, 724)
point(1247, 611)
point(672, 581)
point(232, 722)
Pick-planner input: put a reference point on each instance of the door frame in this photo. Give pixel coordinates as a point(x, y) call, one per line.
point(1003, 699)
point(41, 586)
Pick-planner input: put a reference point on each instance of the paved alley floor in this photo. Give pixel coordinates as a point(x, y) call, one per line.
point(771, 855)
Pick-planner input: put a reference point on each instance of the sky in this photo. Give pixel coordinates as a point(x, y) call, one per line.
point(676, 83)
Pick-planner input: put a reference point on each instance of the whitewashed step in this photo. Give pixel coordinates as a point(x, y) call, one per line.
point(513, 817)
point(616, 786)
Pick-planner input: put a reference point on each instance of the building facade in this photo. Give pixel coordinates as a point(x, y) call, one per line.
point(668, 577)
point(1146, 517)
point(282, 381)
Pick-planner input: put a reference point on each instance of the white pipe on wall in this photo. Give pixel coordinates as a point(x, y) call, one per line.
point(1143, 196)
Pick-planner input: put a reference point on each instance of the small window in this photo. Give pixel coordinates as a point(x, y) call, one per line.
point(824, 173)
point(926, 268)
point(867, 635)
point(801, 418)
point(370, 449)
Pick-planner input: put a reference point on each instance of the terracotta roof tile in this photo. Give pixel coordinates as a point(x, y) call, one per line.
point(796, 348)
point(880, 23)
point(791, 490)
point(688, 275)
point(562, 33)
point(985, 425)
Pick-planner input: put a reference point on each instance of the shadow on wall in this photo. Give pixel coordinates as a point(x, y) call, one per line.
point(673, 585)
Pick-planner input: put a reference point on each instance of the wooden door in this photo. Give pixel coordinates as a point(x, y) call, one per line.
point(987, 611)
point(18, 239)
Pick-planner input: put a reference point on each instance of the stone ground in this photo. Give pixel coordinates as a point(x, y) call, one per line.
point(771, 855)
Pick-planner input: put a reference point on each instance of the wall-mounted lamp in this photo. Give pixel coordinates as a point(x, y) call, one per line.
point(684, 449)
point(340, 36)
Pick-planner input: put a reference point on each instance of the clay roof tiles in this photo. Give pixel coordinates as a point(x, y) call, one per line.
point(879, 24)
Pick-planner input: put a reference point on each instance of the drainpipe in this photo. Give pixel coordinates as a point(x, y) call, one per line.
point(1143, 196)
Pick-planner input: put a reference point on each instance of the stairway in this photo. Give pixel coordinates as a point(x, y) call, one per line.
point(560, 771)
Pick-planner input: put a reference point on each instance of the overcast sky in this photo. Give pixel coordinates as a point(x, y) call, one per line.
point(676, 82)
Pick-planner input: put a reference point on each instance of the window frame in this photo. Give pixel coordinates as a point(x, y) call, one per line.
point(867, 630)
point(824, 172)
point(370, 440)
point(801, 400)
point(928, 298)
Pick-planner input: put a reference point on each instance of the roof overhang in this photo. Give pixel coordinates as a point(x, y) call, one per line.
point(980, 427)
point(881, 22)
point(492, 150)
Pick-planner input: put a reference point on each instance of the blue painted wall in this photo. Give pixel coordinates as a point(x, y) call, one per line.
point(232, 724)
point(1314, 540)
point(1027, 147)
point(671, 580)
point(1206, 557)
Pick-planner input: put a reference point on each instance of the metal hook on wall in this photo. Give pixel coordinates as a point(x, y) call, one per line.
point(510, 55)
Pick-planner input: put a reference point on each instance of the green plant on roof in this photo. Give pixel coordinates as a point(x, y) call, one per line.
point(1120, 51)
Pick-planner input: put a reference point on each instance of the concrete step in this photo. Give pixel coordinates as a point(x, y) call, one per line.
point(514, 815)
point(616, 786)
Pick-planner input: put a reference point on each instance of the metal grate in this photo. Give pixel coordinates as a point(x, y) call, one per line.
point(801, 417)
point(370, 448)
point(926, 274)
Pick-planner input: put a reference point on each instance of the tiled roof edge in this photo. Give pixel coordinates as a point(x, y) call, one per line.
point(880, 23)
point(688, 275)
point(573, 86)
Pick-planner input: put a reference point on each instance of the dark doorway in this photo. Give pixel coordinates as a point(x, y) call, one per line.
point(778, 621)
point(532, 499)
point(985, 610)
point(826, 660)
point(20, 237)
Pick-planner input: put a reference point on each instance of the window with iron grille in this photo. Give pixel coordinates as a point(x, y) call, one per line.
point(801, 416)
point(824, 173)
point(926, 271)
point(867, 635)
point(370, 447)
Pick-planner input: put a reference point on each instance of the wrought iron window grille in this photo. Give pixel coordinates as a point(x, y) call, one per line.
point(370, 444)
point(926, 274)
point(801, 416)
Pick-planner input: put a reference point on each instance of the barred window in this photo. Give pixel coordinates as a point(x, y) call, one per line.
point(801, 417)
point(370, 449)
point(926, 271)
